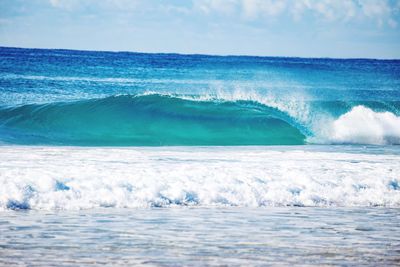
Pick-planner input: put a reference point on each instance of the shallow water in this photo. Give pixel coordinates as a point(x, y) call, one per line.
point(202, 236)
point(196, 206)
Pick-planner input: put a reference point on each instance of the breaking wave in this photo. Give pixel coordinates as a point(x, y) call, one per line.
point(158, 120)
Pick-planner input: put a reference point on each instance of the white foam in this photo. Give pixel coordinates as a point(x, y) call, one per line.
point(362, 125)
point(83, 178)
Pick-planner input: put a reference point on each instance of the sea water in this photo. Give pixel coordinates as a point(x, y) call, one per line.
point(81, 98)
point(165, 159)
point(194, 236)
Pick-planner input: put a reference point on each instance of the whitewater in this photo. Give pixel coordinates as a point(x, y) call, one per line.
point(69, 178)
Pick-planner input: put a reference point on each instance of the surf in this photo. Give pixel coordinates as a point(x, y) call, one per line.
point(173, 120)
point(73, 178)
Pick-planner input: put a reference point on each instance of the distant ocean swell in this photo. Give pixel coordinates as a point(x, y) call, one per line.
point(172, 120)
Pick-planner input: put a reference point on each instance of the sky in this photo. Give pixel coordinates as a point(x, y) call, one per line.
point(301, 28)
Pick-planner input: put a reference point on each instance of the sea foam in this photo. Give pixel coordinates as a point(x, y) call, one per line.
point(363, 125)
point(73, 178)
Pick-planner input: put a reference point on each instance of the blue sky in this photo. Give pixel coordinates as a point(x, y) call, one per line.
point(305, 28)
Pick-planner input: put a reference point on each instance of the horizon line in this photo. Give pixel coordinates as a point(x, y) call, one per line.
point(200, 54)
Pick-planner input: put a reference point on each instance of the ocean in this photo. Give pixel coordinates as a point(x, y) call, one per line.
point(166, 159)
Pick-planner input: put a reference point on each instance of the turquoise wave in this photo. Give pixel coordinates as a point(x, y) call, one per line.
point(149, 120)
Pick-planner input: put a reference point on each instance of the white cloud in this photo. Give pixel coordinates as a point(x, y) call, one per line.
point(220, 6)
point(122, 4)
point(63, 4)
point(255, 8)
point(383, 12)
point(327, 9)
point(380, 11)
point(103, 4)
